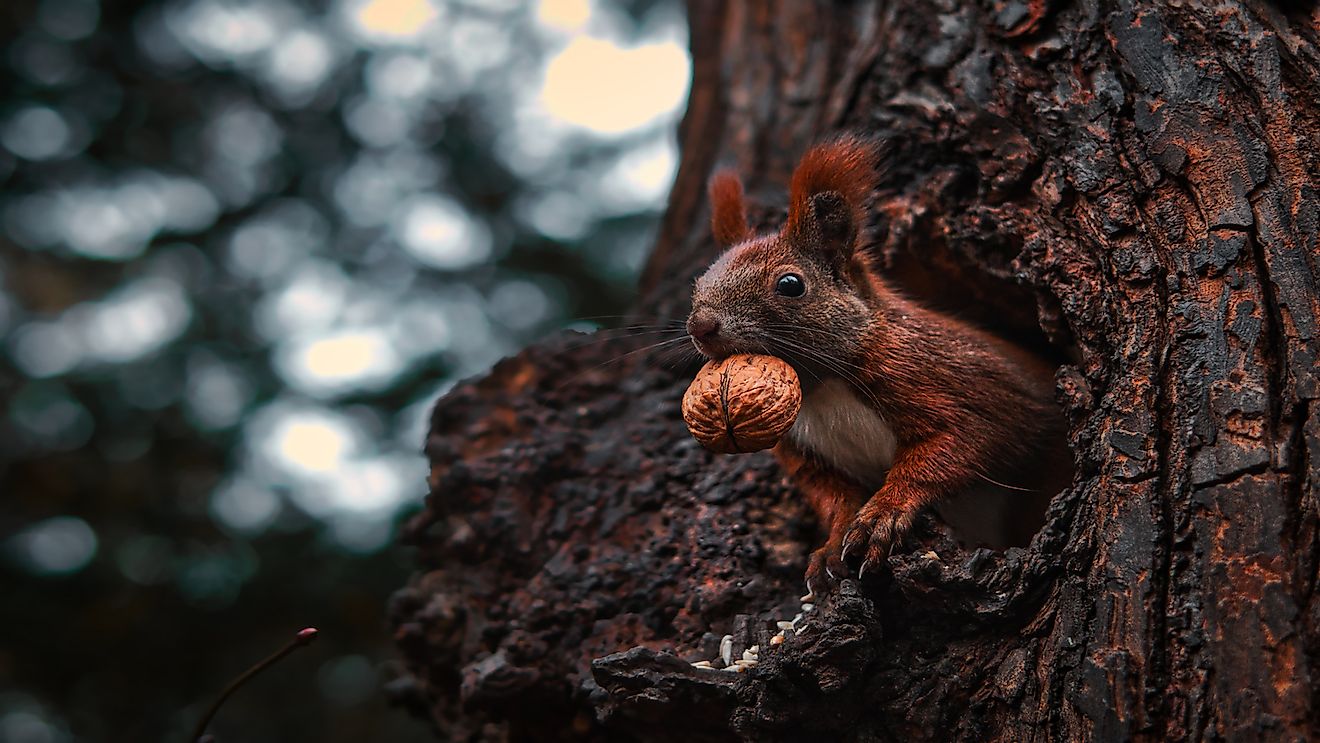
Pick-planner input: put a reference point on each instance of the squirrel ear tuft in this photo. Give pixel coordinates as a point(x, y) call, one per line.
point(843, 170)
point(728, 215)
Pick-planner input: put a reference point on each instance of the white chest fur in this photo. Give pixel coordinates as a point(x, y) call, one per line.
point(837, 426)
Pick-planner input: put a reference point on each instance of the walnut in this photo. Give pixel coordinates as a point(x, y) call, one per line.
point(743, 403)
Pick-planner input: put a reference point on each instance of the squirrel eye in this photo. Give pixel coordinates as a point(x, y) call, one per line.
point(790, 285)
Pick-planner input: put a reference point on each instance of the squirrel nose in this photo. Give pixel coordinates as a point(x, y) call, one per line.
point(703, 327)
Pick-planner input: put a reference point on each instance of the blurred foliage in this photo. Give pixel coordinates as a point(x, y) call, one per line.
point(243, 247)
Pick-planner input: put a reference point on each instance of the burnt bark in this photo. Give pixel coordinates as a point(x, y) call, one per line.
point(1129, 186)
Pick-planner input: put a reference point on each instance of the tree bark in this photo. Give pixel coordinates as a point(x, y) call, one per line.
point(1131, 187)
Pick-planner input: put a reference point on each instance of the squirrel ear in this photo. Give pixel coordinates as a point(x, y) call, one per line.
point(832, 217)
point(728, 215)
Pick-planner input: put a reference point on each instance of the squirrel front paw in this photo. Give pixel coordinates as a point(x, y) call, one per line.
point(873, 536)
point(825, 569)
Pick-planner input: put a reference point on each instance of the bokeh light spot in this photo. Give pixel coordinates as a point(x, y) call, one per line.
point(640, 176)
point(244, 506)
point(341, 361)
point(56, 546)
point(299, 64)
point(25, 720)
point(216, 394)
point(520, 304)
point(45, 349)
point(393, 19)
point(403, 76)
point(440, 233)
point(609, 89)
point(133, 321)
point(36, 133)
point(219, 33)
point(563, 15)
point(305, 441)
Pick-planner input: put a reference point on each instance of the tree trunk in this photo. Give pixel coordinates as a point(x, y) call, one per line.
point(1131, 187)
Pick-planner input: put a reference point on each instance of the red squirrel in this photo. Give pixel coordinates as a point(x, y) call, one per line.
point(903, 407)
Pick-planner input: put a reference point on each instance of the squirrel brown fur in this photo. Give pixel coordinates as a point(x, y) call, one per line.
point(904, 407)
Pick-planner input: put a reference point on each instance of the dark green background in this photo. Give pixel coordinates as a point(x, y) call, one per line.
point(161, 170)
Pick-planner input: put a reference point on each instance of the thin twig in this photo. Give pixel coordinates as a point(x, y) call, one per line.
point(304, 637)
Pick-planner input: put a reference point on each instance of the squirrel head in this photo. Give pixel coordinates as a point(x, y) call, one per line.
point(804, 293)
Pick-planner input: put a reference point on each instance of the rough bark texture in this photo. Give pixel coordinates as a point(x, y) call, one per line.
point(1137, 180)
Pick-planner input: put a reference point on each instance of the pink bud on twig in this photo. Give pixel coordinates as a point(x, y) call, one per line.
point(304, 637)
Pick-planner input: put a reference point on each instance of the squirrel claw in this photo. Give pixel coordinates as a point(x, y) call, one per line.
point(824, 571)
point(857, 535)
point(879, 534)
point(869, 565)
point(849, 542)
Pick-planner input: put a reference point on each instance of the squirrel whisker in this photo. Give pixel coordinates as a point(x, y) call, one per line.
point(831, 363)
point(621, 357)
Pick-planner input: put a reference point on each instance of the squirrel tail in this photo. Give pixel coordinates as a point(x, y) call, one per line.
point(846, 165)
